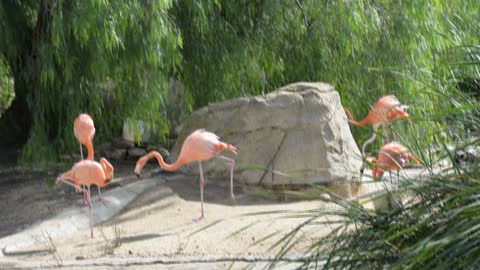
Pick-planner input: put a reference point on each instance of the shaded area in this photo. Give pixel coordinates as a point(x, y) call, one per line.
point(27, 197)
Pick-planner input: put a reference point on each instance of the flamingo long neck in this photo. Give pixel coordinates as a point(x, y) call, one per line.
point(363, 122)
point(107, 167)
point(89, 146)
point(168, 167)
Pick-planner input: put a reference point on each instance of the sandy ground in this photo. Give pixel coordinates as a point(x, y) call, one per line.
point(158, 223)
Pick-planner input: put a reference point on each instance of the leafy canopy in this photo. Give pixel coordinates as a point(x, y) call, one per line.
point(111, 59)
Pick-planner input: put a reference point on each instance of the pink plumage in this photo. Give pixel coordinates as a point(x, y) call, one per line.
point(199, 146)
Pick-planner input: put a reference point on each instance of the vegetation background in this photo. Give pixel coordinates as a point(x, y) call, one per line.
point(114, 60)
point(118, 60)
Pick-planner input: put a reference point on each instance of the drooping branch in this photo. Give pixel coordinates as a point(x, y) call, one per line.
point(305, 21)
point(43, 19)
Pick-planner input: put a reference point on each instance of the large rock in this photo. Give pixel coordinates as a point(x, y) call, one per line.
point(298, 134)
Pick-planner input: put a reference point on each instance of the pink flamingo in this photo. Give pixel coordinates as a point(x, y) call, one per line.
point(88, 172)
point(200, 145)
point(386, 110)
point(84, 130)
point(392, 156)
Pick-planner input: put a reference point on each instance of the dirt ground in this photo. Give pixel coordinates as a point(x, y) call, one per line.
point(159, 222)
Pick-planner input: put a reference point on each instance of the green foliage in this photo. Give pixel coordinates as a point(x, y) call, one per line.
point(111, 59)
point(114, 59)
point(366, 49)
point(6, 87)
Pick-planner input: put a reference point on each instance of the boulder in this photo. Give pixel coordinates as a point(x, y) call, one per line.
point(116, 154)
point(296, 135)
point(136, 131)
point(164, 152)
point(122, 143)
point(136, 152)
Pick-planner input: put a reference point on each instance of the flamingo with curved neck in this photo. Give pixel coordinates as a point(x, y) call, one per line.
point(88, 172)
point(392, 157)
point(199, 146)
point(386, 110)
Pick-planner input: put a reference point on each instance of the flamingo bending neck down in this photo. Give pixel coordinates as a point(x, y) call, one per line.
point(87, 173)
point(392, 156)
point(84, 130)
point(154, 154)
point(386, 110)
point(199, 146)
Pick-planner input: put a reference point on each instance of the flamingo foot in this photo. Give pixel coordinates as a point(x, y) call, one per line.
point(84, 201)
point(201, 218)
point(103, 200)
point(234, 202)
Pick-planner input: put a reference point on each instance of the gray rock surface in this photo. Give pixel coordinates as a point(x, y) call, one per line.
point(298, 134)
point(136, 152)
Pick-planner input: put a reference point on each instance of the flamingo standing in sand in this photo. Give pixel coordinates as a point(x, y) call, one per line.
point(392, 156)
point(200, 145)
point(87, 172)
point(84, 130)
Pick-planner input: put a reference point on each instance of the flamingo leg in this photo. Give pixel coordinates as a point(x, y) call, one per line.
point(385, 134)
point(371, 139)
point(85, 197)
point(232, 164)
point(81, 151)
point(68, 183)
point(394, 135)
point(364, 147)
point(202, 184)
point(91, 211)
point(101, 199)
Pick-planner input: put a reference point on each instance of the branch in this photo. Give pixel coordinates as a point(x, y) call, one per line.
point(305, 21)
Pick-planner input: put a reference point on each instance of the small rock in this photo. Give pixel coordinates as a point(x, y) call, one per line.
point(8, 250)
point(469, 155)
point(116, 154)
point(104, 148)
point(473, 153)
point(78, 258)
point(253, 238)
point(122, 143)
point(136, 152)
point(164, 152)
point(130, 252)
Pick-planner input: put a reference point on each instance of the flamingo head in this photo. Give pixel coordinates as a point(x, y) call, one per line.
point(376, 172)
point(107, 168)
point(139, 166)
point(400, 112)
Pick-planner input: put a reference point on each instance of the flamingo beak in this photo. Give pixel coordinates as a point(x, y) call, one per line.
point(137, 171)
